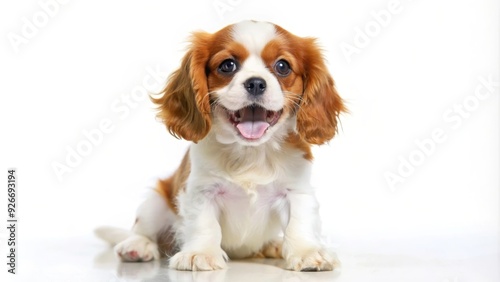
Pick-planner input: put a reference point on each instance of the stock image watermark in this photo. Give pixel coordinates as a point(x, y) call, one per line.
point(121, 107)
point(363, 36)
point(221, 7)
point(32, 25)
point(453, 117)
point(12, 224)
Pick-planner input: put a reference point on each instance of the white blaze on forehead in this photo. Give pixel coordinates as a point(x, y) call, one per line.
point(253, 35)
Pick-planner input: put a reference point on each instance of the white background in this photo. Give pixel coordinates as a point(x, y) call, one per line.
point(427, 59)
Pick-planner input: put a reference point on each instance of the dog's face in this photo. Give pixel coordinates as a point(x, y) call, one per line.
point(251, 82)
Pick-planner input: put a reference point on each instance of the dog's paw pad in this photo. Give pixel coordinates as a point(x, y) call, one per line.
point(137, 248)
point(133, 255)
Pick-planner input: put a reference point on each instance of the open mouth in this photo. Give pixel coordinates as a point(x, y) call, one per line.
point(253, 121)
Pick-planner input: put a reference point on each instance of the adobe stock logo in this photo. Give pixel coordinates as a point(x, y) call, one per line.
point(363, 36)
point(31, 26)
point(121, 108)
point(454, 117)
point(221, 7)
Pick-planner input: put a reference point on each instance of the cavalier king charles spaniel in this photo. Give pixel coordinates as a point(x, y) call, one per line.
point(253, 98)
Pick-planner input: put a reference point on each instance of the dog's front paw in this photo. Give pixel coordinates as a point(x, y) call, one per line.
point(137, 248)
point(198, 261)
point(317, 260)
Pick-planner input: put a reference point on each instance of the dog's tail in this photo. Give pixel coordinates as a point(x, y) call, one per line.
point(112, 235)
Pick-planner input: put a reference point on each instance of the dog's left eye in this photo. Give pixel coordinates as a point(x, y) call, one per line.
point(228, 66)
point(282, 68)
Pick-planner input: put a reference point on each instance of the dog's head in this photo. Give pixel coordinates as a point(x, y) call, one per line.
point(248, 83)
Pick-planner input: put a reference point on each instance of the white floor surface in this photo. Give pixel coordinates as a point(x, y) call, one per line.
point(472, 259)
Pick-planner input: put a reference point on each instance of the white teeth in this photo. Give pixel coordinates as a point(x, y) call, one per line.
point(270, 116)
point(269, 119)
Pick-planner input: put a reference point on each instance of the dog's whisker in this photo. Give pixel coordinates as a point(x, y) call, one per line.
point(294, 99)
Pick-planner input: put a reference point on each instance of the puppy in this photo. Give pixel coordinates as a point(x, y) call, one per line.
point(253, 98)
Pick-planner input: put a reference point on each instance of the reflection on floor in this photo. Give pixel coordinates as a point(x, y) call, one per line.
point(88, 259)
point(254, 270)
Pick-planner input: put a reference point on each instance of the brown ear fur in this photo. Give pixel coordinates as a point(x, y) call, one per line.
point(321, 105)
point(184, 106)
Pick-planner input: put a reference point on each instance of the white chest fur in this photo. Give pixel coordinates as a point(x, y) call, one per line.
point(248, 188)
point(249, 218)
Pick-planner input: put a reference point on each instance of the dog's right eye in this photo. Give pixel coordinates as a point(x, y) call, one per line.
point(228, 66)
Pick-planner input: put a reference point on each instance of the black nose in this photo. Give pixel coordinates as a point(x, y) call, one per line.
point(255, 86)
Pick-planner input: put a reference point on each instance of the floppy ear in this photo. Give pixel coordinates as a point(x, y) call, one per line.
point(184, 106)
point(321, 105)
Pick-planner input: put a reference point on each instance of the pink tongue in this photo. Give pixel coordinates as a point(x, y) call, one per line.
point(252, 130)
point(253, 123)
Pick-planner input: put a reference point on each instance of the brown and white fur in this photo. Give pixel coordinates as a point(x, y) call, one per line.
point(253, 98)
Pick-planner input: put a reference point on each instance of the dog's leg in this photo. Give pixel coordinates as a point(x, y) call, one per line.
point(200, 234)
point(153, 218)
point(302, 248)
